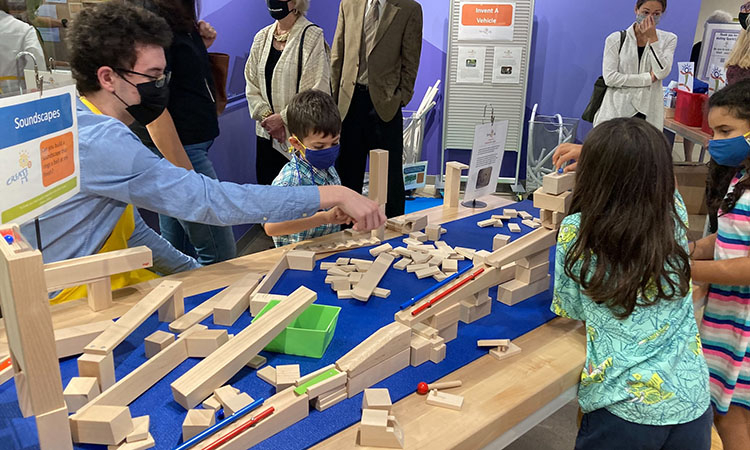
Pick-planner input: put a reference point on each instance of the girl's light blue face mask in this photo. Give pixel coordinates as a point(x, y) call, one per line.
point(641, 17)
point(730, 152)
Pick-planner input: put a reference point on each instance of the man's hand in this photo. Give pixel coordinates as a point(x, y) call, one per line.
point(207, 33)
point(274, 125)
point(567, 153)
point(365, 213)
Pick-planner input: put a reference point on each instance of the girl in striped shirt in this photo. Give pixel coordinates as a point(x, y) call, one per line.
point(723, 260)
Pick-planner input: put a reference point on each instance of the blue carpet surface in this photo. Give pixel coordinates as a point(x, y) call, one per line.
point(356, 322)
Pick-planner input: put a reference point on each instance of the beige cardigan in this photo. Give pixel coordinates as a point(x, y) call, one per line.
point(316, 72)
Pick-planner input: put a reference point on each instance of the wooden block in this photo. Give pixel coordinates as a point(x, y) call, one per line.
point(377, 399)
point(440, 276)
point(514, 228)
point(531, 224)
point(101, 424)
point(450, 265)
point(450, 332)
point(344, 295)
point(420, 350)
point(370, 281)
point(377, 348)
point(481, 297)
point(378, 233)
point(530, 244)
point(498, 224)
point(224, 394)
point(418, 223)
point(525, 216)
point(381, 293)
point(512, 213)
point(427, 272)
point(453, 183)
point(259, 301)
point(331, 278)
point(555, 203)
point(424, 330)
point(236, 403)
point(500, 241)
point(486, 223)
point(236, 300)
point(267, 374)
point(79, 391)
point(418, 235)
point(433, 231)
point(406, 253)
point(378, 187)
point(375, 374)
point(164, 293)
point(216, 369)
point(534, 260)
point(196, 421)
point(257, 362)
point(205, 342)
point(328, 265)
point(410, 241)
point(465, 252)
point(145, 444)
point(379, 429)
point(71, 341)
point(557, 183)
point(342, 261)
point(437, 353)
point(341, 285)
point(445, 400)
point(363, 265)
point(533, 274)
point(381, 249)
point(211, 403)
point(501, 217)
point(305, 378)
point(421, 258)
point(480, 257)
point(324, 402)
point(101, 367)
point(156, 342)
point(286, 375)
point(500, 355)
point(336, 382)
point(301, 260)
point(471, 313)
point(80, 271)
point(493, 342)
point(140, 429)
point(336, 271)
point(446, 318)
point(516, 291)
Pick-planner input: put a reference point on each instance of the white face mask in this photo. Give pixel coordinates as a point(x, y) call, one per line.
point(639, 18)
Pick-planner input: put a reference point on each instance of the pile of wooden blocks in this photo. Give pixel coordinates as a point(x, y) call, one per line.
point(438, 260)
point(345, 274)
point(509, 214)
point(501, 348)
point(378, 427)
point(337, 243)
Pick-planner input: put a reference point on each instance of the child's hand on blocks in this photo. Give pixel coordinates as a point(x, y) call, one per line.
point(336, 216)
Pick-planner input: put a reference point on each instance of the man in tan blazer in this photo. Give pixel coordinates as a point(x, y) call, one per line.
point(375, 57)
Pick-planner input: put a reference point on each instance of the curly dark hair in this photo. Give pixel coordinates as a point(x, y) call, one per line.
point(736, 99)
point(627, 245)
point(107, 35)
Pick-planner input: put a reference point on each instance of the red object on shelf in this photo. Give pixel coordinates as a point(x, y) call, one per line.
point(423, 388)
point(232, 434)
point(689, 109)
point(447, 291)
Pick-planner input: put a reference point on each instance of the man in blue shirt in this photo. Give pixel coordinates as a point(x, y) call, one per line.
point(118, 62)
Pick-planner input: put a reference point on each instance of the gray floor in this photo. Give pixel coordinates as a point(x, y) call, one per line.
point(557, 432)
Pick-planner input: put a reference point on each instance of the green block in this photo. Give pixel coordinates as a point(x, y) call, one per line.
point(302, 388)
point(310, 333)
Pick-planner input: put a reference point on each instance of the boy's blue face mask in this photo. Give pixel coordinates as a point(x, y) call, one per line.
point(730, 152)
point(321, 159)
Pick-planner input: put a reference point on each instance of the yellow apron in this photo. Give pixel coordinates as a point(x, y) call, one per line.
point(117, 240)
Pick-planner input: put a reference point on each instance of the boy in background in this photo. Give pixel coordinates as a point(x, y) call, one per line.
point(315, 128)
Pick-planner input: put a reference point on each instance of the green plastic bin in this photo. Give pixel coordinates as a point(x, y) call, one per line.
point(310, 333)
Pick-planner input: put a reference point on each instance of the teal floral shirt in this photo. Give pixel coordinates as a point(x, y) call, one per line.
point(299, 172)
point(648, 368)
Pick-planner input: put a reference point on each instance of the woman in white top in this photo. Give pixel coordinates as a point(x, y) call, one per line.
point(273, 77)
point(633, 75)
point(16, 36)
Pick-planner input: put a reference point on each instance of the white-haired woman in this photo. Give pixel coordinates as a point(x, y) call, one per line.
point(288, 56)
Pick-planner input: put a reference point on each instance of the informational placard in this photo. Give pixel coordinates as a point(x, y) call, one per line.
point(687, 76)
point(718, 42)
point(506, 68)
point(38, 153)
point(486, 159)
point(486, 21)
point(471, 64)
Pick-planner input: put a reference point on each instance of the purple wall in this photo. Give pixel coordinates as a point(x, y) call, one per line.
point(566, 55)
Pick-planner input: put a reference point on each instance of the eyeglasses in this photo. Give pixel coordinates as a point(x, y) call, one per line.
point(160, 81)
